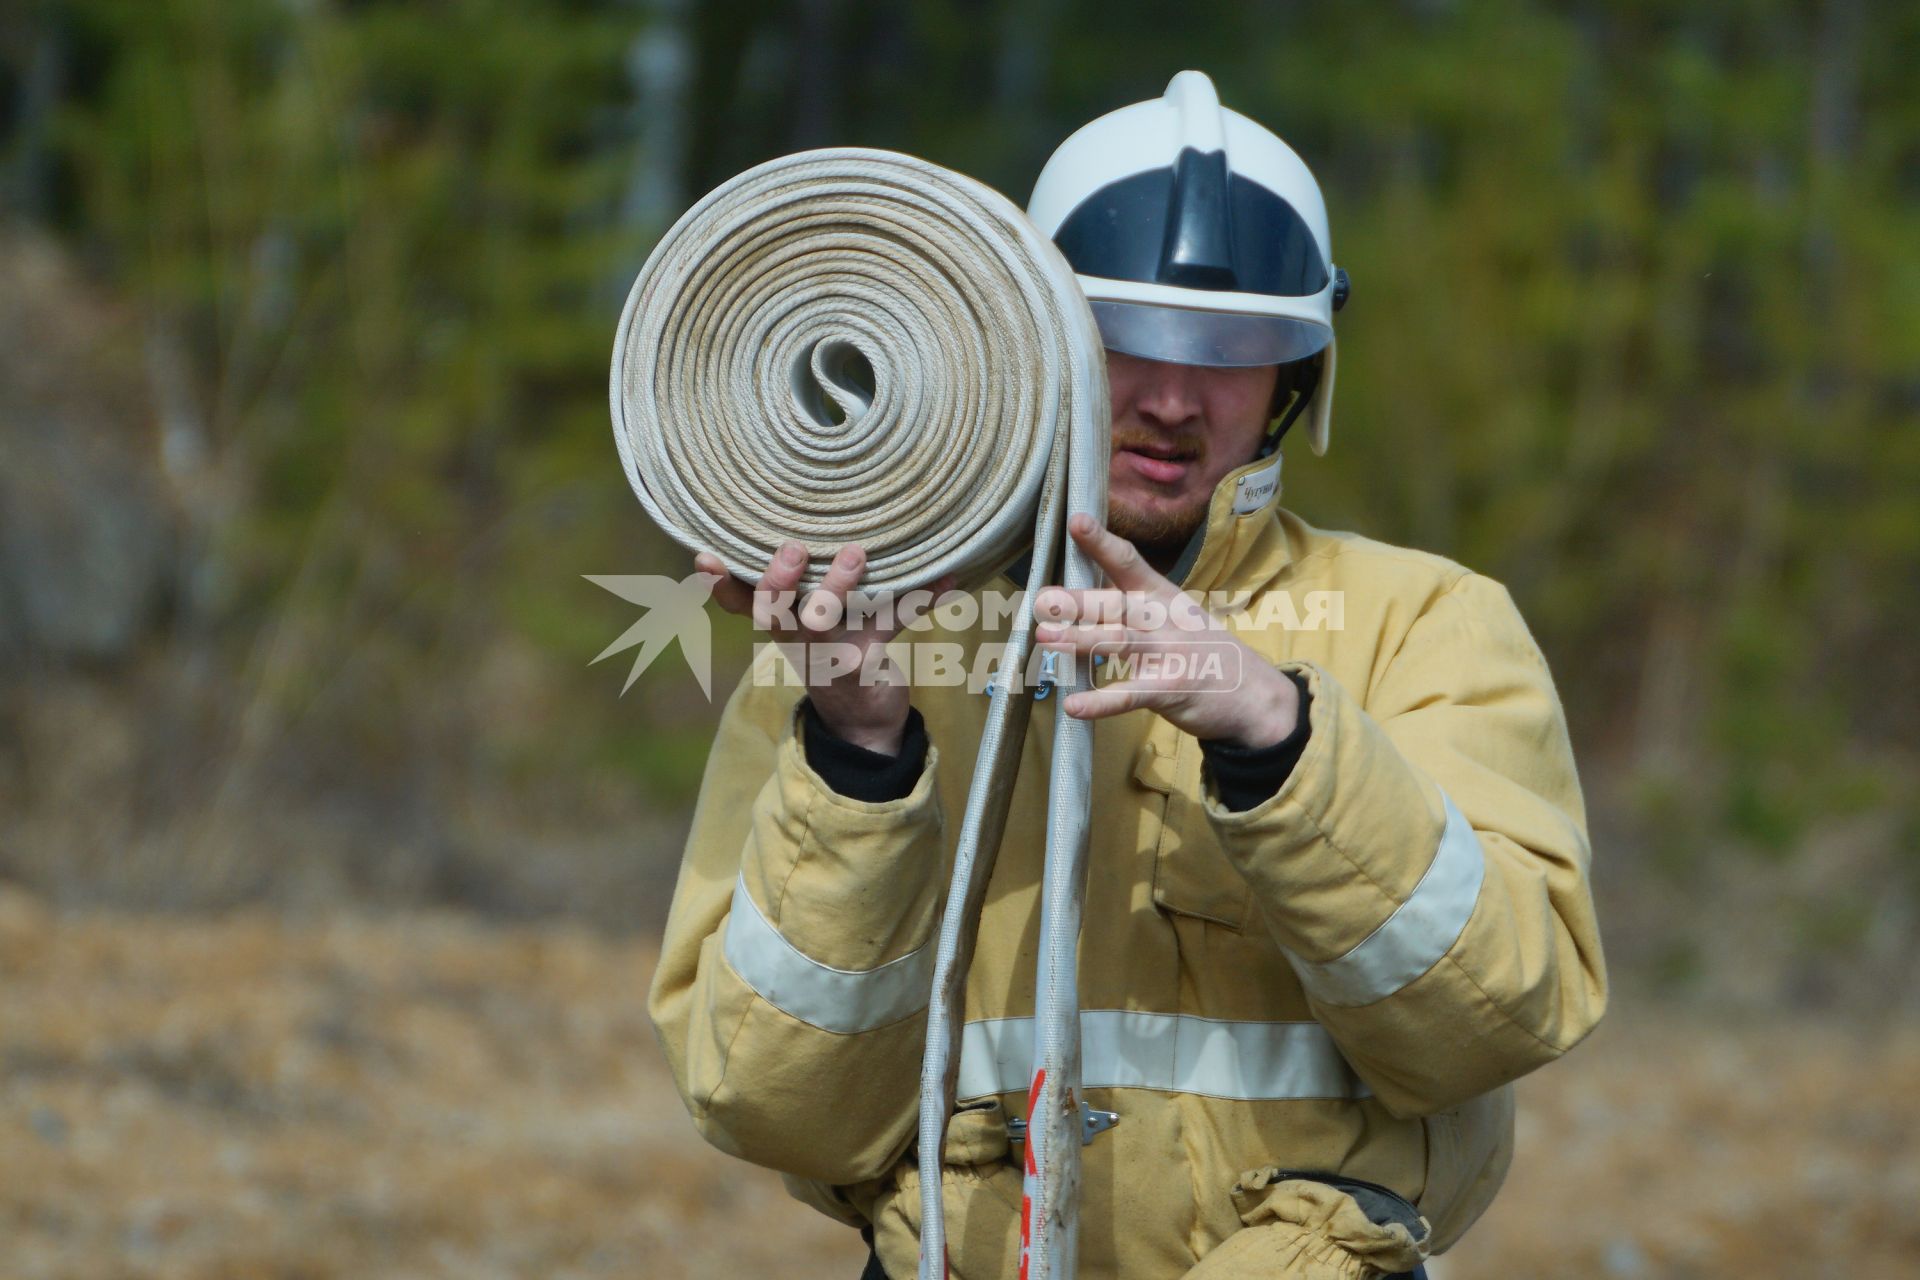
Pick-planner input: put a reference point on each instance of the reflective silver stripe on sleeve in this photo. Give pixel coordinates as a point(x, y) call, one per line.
point(840, 1000)
point(1421, 930)
point(1170, 1052)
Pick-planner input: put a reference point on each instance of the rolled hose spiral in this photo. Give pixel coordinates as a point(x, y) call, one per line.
point(859, 346)
point(850, 345)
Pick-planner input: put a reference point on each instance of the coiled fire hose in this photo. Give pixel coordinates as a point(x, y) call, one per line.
point(859, 346)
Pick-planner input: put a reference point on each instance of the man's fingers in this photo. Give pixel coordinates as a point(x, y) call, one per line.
point(1141, 610)
point(734, 596)
point(825, 606)
point(1081, 604)
point(786, 569)
point(844, 573)
point(1079, 637)
point(1122, 560)
point(729, 592)
point(1056, 604)
point(1111, 700)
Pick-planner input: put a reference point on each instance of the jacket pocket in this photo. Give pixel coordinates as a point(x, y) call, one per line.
point(1191, 874)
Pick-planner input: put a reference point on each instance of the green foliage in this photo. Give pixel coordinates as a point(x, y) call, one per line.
point(1635, 326)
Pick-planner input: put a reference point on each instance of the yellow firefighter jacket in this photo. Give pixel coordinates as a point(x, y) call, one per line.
point(1344, 978)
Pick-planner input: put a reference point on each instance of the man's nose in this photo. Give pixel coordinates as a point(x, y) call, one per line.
point(1168, 394)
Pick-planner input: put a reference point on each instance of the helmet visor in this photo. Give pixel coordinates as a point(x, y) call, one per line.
point(1222, 339)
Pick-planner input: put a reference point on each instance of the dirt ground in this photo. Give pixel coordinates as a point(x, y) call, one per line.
point(434, 1096)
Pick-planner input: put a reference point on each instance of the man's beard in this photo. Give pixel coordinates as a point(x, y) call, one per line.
point(1160, 535)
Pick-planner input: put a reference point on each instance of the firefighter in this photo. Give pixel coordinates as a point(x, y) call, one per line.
point(1339, 895)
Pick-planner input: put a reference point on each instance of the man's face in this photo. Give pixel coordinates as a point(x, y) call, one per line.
point(1177, 430)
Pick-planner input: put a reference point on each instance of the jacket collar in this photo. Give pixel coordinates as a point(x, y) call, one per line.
point(1241, 546)
point(1240, 540)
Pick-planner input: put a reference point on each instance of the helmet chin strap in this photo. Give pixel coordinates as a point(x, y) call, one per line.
point(1305, 380)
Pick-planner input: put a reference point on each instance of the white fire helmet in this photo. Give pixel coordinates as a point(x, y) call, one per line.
point(1199, 238)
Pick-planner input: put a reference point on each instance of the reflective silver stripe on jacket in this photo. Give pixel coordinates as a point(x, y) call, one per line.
point(840, 1000)
point(1170, 1052)
point(1421, 930)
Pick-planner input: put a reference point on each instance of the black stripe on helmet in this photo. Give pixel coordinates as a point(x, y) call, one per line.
point(1196, 225)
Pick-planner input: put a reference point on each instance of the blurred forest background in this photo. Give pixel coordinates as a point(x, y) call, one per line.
point(305, 314)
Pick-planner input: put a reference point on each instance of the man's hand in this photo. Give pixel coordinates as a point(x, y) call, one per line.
point(1143, 615)
point(831, 654)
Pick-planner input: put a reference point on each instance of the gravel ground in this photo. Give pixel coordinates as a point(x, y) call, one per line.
point(429, 1095)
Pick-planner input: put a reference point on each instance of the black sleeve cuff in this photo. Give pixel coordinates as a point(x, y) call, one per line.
point(856, 772)
point(1247, 776)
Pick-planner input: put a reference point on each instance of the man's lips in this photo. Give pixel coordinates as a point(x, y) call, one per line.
point(1161, 463)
